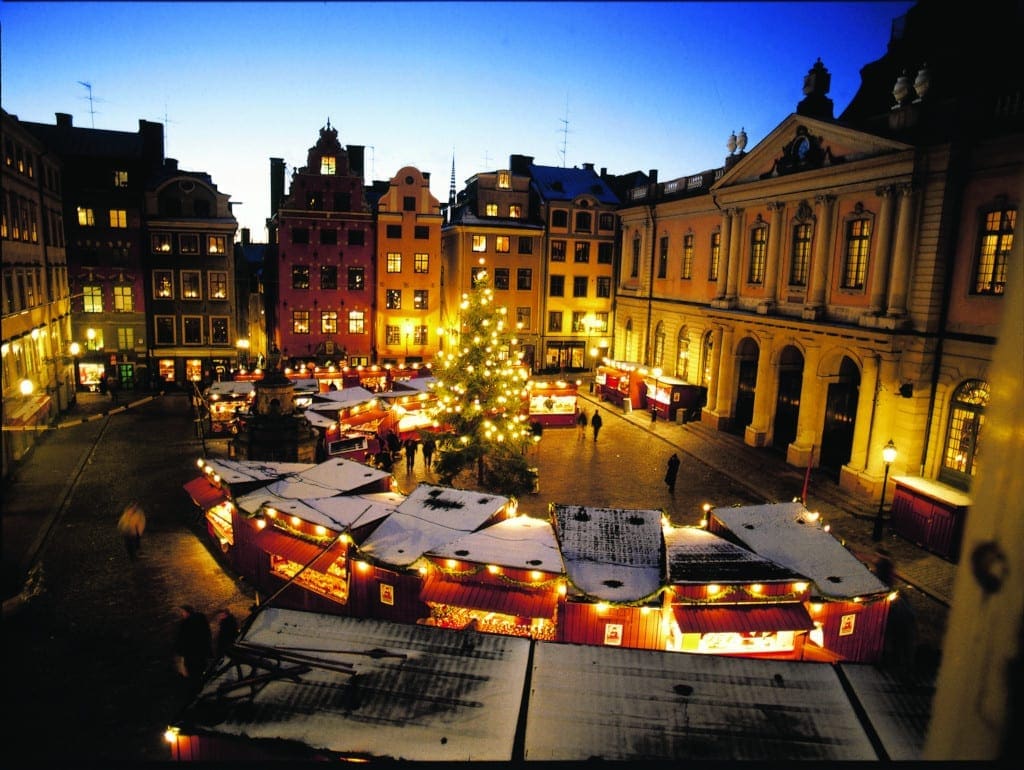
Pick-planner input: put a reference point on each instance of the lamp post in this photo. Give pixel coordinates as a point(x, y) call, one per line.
point(888, 456)
point(407, 329)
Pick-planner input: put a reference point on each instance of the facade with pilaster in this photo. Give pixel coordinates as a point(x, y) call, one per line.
point(840, 284)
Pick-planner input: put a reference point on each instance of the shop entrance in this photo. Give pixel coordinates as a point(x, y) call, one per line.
point(787, 403)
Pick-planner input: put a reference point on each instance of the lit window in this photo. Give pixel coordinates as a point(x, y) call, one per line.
point(855, 263)
point(491, 209)
point(966, 419)
point(393, 299)
point(420, 298)
point(716, 255)
point(582, 251)
point(356, 278)
point(161, 243)
point(421, 262)
point(515, 211)
point(163, 284)
point(392, 334)
point(993, 250)
point(687, 266)
point(300, 322)
point(190, 288)
point(356, 322)
point(328, 321)
point(327, 165)
point(188, 243)
point(118, 218)
point(394, 262)
point(125, 338)
point(758, 254)
point(523, 317)
point(93, 299)
point(555, 321)
point(800, 259)
point(504, 180)
point(216, 244)
point(558, 251)
point(86, 218)
point(120, 179)
point(479, 243)
point(502, 244)
point(218, 284)
point(300, 276)
point(419, 335)
point(123, 299)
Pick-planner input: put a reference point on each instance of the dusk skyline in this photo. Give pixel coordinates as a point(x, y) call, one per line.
point(625, 86)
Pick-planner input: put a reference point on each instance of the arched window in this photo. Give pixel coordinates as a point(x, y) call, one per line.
point(709, 344)
point(963, 434)
point(658, 351)
point(683, 355)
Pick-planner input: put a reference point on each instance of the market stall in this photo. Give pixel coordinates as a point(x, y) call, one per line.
point(669, 396)
point(553, 403)
point(621, 383)
point(226, 401)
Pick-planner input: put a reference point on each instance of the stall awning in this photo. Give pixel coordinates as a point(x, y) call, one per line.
point(272, 541)
point(742, 618)
point(205, 493)
point(507, 601)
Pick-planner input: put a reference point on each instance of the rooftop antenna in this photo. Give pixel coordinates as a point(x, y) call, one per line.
point(92, 111)
point(565, 130)
point(166, 121)
point(373, 162)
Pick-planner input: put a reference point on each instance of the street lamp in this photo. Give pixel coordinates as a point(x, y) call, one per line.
point(408, 331)
point(75, 349)
point(656, 371)
point(888, 456)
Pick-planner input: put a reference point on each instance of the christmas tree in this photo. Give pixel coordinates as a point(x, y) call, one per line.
point(481, 392)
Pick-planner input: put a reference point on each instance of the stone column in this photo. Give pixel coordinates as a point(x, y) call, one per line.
point(824, 205)
point(865, 413)
point(809, 424)
point(899, 281)
point(724, 385)
point(716, 362)
point(771, 272)
point(885, 426)
point(883, 251)
point(764, 396)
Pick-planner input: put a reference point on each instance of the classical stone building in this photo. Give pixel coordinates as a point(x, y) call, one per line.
point(840, 283)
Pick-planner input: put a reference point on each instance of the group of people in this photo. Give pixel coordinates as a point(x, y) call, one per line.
point(392, 447)
point(197, 641)
point(595, 422)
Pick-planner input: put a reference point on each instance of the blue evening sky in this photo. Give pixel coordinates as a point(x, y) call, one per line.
point(626, 86)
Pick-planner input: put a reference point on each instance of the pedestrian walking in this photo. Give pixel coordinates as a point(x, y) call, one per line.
point(131, 525)
point(227, 631)
point(410, 445)
point(654, 414)
point(192, 644)
point(671, 472)
point(581, 425)
point(596, 422)
point(429, 445)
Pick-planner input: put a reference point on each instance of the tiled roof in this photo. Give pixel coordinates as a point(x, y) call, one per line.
point(557, 183)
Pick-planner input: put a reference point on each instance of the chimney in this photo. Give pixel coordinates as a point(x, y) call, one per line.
point(152, 143)
point(245, 236)
point(63, 120)
point(588, 166)
point(276, 184)
point(355, 159)
point(520, 164)
point(171, 164)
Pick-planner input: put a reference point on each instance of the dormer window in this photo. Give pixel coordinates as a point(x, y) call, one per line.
point(504, 180)
point(327, 165)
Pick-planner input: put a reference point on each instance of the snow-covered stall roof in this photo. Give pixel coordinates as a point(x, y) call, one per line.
point(413, 693)
point(788, 534)
point(615, 704)
point(334, 400)
point(612, 554)
point(318, 420)
point(431, 516)
point(519, 543)
point(231, 389)
point(333, 476)
point(696, 556)
point(241, 471)
point(421, 384)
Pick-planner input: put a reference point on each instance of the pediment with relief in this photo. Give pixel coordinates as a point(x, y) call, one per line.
point(800, 144)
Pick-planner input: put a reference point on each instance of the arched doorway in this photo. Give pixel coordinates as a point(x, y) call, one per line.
point(840, 417)
point(787, 403)
point(966, 419)
point(743, 411)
